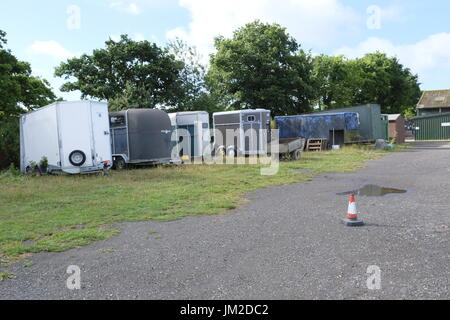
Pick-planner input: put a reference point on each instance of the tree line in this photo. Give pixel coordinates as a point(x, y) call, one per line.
point(260, 66)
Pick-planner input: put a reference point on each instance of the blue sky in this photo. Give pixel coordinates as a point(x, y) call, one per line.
point(47, 32)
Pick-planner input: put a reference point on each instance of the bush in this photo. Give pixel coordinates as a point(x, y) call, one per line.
point(9, 141)
point(11, 172)
point(44, 162)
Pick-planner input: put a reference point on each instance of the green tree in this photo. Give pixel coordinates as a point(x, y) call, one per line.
point(132, 97)
point(262, 66)
point(385, 81)
point(374, 78)
point(335, 81)
point(196, 94)
point(192, 75)
point(2, 38)
point(410, 112)
point(124, 70)
point(20, 92)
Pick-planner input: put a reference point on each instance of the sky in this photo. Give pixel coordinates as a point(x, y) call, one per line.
point(47, 32)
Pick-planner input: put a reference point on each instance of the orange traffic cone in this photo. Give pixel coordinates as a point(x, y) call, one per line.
point(352, 220)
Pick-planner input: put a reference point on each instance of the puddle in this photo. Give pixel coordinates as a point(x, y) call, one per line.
point(372, 190)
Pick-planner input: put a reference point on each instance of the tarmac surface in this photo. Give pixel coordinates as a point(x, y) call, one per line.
point(287, 242)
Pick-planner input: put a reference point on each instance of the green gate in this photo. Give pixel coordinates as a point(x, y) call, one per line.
point(385, 127)
point(432, 127)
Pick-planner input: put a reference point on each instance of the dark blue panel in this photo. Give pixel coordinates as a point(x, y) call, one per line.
point(316, 126)
point(120, 141)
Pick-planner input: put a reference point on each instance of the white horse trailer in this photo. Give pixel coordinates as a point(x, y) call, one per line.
point(73, 136)
point(192, 136)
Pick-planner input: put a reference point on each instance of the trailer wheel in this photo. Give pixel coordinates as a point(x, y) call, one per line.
point(77, 158)
point(119, 163)
point(220, 151)
point(232, 152)
point(296, 155)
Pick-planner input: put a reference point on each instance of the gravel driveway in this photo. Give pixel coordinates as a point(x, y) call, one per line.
point(287, 242)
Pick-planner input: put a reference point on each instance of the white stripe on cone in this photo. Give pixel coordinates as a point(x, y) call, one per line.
point(352, 208)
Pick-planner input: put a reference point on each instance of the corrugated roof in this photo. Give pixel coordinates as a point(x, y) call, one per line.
point(434, 99)
point(393, 117)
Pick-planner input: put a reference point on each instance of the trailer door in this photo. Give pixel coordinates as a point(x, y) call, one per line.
point(74, 121)
point(252, 131)
point(39, 137)
point(100, 133)
point(192, 140)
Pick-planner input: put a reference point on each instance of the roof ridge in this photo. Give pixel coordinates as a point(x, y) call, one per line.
point(436, 90)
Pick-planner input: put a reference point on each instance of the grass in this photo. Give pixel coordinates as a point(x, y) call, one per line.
point(5, 276)
point(56, 213)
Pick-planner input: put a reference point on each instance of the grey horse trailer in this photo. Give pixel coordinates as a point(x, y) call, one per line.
point(242, 132)
point(140, 136)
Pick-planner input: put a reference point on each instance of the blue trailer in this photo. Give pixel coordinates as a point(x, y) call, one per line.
point(373, 125)
point(330, 126)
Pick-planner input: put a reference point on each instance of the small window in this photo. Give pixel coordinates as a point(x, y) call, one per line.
point(117, 121)
point(251, 118)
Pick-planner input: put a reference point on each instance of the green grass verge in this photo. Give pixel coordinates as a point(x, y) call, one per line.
point(56, 213)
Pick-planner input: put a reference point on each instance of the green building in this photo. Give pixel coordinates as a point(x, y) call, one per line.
point(433, 102)
point(433, 116)
point(432, 127)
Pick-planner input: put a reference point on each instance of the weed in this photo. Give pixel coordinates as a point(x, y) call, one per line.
point(5, 276)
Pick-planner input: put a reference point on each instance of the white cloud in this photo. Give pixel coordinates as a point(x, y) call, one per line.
point(124, 6)
point(51, 48)
point(313, 23)
point(432, 53)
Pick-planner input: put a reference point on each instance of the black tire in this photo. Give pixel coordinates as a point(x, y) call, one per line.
point(77, 158)
point(43, 170)
point(120, 164)
point(296, 155)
